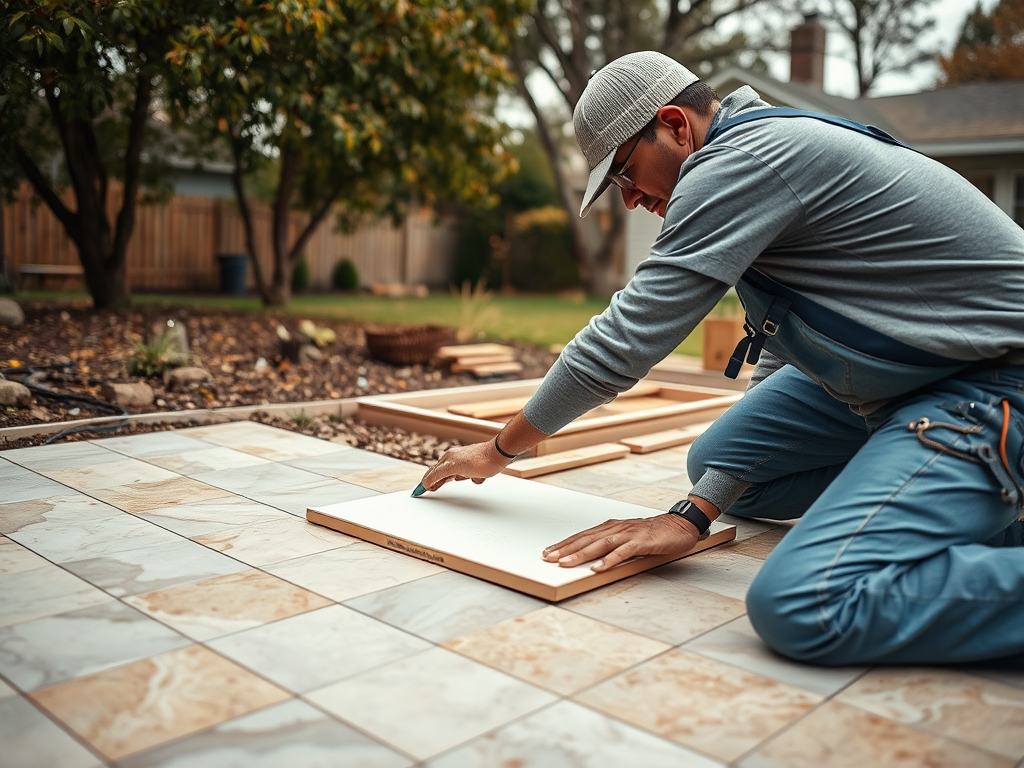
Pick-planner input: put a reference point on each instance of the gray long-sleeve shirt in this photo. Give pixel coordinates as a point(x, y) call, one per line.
point(881, 234)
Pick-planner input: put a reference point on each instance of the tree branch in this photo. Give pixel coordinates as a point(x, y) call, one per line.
point(45, 190)
point(132, 169)
point(246, 213)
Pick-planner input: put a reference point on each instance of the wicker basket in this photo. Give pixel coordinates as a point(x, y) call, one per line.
point(407, 344)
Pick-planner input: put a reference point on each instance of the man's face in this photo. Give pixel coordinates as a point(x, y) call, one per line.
point(646, 171)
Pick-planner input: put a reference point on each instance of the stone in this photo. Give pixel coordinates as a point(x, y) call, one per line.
point(14, 394)
point(183, 379)
point(172, 333)
point(136, 393)
point(11, 312)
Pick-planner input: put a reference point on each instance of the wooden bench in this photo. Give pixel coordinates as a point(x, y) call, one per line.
point(44, 271)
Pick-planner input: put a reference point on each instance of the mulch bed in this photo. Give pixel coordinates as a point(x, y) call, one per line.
point(241, 351)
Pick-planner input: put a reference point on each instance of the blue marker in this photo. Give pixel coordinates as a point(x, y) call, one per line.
point(419, 491)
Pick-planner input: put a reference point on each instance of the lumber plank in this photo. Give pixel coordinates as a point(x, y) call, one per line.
point(556, 462)
point(467, 350)
point(669, 438)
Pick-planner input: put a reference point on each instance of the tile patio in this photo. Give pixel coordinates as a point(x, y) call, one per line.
point(164, 603)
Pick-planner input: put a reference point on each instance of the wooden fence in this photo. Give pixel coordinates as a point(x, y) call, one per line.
point(175, 244)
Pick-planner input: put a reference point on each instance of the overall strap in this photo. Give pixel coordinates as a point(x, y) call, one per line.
point(717, 130)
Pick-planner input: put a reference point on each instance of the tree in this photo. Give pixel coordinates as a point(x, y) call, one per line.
point(564, 40)
point(991, 46)
point(78, 79)
point(362, 105)
point(885, 36)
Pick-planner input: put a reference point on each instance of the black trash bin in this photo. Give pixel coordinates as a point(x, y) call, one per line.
point(233, 273)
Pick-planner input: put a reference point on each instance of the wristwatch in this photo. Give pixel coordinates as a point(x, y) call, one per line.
point(687, 510)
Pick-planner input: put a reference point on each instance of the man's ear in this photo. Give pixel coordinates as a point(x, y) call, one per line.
point(677, 121)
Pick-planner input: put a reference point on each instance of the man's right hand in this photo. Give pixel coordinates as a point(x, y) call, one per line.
point(470, 462)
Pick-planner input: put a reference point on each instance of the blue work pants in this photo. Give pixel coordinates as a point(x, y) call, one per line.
point(907, 550)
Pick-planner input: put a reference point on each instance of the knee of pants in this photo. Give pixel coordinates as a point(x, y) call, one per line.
point(697, 458)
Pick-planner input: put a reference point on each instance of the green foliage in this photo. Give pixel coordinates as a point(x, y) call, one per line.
point(345, 276)
point(542, 257)
point(153, 358)
point(300, 276)
point(475, 310)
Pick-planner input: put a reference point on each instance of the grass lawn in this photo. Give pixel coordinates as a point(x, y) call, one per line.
point(541, 320)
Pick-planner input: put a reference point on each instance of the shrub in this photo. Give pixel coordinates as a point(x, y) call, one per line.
point(345, 276)
point(542, 257)
point(300, 276)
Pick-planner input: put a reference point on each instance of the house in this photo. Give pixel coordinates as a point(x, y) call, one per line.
point(976, 129)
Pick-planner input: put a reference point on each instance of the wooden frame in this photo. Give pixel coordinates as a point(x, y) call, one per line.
point(651, 406)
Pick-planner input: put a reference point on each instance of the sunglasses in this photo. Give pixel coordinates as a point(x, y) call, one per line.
point(619, 177)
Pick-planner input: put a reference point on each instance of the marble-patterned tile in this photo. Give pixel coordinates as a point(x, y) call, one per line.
point(109, 474)
point(316, 648)
point(839, 736)
point(143, 497)
point(62, 540)
point(348, 462)
point(264, 441)
point(28, 595)
point(61, 456)
point(212, 459)
point(672, 458)
point(152, 444)
point(715, 570)
point(292, 735)
point(738, 644)
point(297, 499)
point(999, 673)
point(657, 608)
point(274, 541)
point(607, 479)
point(557, 649)
point(351, 571)
point(146, 703)
point(246, 481)
point(20, 484)
point(652, 496)
point(15, 558)
point(135, 571)
point(390, 479)
point(572, 736)
point(213, 516)
point(429, 702)
point(69, 509)
point(714, 708)
point(950, 703)
point(211, 608)
point(761, 545)
point(32, 740)
point(445, 605)
point(6, 691)
point(52, 649)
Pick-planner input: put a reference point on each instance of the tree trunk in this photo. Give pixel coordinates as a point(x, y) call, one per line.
point(6, 280)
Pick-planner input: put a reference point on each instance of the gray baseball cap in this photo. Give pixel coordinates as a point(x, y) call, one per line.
point(620, 99)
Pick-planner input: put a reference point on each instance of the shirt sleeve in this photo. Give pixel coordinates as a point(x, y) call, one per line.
point(725, 210)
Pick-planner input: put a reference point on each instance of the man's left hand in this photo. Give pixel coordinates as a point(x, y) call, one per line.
point(618, 540)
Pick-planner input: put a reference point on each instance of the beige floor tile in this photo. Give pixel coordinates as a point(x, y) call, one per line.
point(30, 739)
point(61, 456)
point(715, 570)
point(957, 705)
point(15, 558)
point(760, 546)
point(348, 572)
point(264, 441)
point(213, 516)
point(70, 509)
point(47, 591)
point(207, 460)
point(110, 474)
point(22, 484)
point(146, 496)
point(702, 704)
point(207, 609)
point(388, 480)
point(274, 541)
point(430, 701)
point(657, 608)
point(149, 702)
point(607, 479)
point(557, 649)
point(839, 736)
point(653, 496)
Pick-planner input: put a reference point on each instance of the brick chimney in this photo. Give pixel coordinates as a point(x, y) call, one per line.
point(807, 53)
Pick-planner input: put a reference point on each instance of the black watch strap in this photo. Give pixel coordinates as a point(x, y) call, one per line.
point(687, 510)
point(506, 454)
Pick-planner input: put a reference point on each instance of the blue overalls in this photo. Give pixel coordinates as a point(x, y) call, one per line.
point(907, 547)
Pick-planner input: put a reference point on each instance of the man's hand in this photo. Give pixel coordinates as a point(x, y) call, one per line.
point(618, 540)
point(476, 462)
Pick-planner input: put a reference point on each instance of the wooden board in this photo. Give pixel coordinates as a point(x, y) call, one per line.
point(512, 405)
point(492, 369)
point(556, 462)
point(470, 350)
point(462, 363)
point(496, 531)
point(670, 438)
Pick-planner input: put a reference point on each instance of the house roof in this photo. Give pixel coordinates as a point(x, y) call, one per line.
point(978, 118)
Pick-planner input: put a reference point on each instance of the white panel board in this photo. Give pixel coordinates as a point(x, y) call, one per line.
point(496, 531)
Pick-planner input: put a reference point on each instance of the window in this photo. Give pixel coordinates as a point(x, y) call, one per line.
point(986, 184)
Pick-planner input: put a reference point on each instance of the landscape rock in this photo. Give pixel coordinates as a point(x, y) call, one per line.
point(11, 313)
point(183, 379)
point(138, 393)
point(14, 394)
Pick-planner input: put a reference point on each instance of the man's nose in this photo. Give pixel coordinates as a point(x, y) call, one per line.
point(631, 197)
